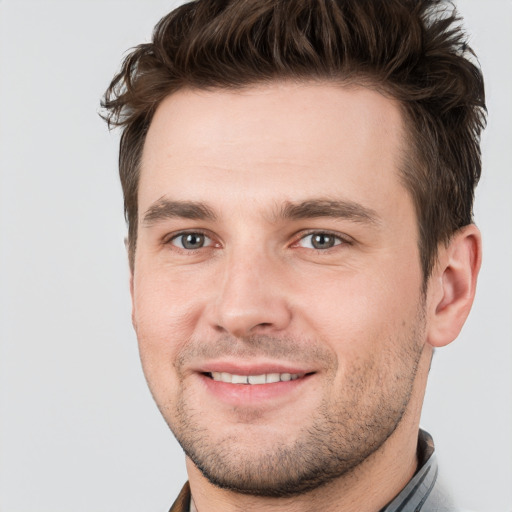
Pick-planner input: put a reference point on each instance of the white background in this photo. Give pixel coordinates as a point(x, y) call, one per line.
point(78, 429)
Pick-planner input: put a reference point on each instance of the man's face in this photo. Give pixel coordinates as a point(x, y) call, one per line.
point(277, 285)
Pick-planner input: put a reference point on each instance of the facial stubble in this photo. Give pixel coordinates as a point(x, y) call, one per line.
point(343, 432)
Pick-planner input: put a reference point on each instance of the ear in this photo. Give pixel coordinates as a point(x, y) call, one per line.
point(452, 285)
point(127, 247)
point(134, 323)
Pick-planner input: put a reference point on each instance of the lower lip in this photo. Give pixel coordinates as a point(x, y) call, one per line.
point(246, 394)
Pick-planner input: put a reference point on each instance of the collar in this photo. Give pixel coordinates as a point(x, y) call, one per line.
point(416, 493)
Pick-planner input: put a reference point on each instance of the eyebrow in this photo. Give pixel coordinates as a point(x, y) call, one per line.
point(164, 208)
point(339, 209)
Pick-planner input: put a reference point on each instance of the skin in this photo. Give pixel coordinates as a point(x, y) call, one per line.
point(253, 176)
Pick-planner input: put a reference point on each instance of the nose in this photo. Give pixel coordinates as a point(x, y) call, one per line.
point(251, 299)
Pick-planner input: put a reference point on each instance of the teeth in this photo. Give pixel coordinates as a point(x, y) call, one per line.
point(256, 379)
point(240, 379)
point(265, 378)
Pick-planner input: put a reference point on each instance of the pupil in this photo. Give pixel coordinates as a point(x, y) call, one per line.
point(322, 241)
point(193, 241)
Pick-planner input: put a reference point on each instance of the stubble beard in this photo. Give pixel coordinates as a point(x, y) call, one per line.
point(343, 433)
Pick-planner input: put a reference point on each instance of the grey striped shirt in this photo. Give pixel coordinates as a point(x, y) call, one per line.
point(424, 491)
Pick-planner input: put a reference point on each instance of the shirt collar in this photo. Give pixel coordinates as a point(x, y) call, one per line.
point(419, 488)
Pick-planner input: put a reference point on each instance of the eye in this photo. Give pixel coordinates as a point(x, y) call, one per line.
point(320, 241)
point(191, 241)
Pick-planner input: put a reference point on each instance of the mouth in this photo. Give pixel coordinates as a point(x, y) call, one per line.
point(261, 384)
point(251, 380)
point(245, 388)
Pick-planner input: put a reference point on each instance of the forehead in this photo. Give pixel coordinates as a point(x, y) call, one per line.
point(283, 138)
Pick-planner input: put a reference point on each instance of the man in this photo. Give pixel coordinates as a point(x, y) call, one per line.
point(298, 181)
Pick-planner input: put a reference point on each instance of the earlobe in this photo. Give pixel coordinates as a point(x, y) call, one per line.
point(453, 286)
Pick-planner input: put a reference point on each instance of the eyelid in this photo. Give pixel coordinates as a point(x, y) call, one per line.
point(170, 237)
point(343, 239)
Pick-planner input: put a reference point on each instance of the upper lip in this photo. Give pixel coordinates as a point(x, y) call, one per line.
point(240, 368)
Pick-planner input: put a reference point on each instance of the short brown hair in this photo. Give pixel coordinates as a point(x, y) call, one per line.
point(412, 50)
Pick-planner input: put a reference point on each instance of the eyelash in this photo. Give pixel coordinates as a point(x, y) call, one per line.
point(339, 240)
point(170, 239)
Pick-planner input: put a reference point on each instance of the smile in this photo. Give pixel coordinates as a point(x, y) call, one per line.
point(265, 378)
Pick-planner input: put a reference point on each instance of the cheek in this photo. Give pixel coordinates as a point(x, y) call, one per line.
point(166, 303)
point(164, 319)
point(360, 310)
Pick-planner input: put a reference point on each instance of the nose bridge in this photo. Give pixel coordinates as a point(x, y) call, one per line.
point(251, 297)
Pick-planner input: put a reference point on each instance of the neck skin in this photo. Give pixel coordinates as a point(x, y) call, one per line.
point(367, 488)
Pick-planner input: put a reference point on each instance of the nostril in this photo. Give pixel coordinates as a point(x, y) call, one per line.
point(244, 316)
